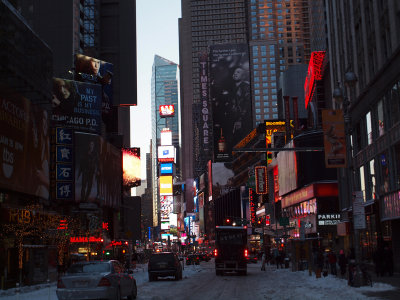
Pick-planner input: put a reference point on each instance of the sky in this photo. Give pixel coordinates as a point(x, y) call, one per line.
point(157, 33)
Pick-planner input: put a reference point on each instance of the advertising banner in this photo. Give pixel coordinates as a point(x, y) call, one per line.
point(76, 105)
point(231, 97)
point(89, 69)
point(24, 146)
point(261, 180)
point(166, 137)
point(131, 167)
point(166, 186)
point(166, 153)
point(205, 123)
point(98, 171)
point(166, 169)
point(334, 138)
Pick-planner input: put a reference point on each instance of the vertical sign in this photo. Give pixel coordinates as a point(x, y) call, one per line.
point(334, 138)
point(64, 164)
point(205, 110)
point(252, 207)
point(209, 165)
point(296, 113)
point(358, 210)
point(261, 180)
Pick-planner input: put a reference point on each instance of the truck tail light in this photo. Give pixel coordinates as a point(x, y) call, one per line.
point(245, 253)
point(215, 252)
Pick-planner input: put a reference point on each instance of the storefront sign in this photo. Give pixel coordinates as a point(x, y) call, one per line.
point(328, 219)
point(261, 180)
point(85, 239)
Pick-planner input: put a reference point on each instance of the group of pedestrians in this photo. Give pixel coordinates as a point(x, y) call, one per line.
point(278, 257)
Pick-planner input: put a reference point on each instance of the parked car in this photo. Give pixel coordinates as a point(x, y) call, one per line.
point(96, 280)
point(164, 264)
point(193, 259)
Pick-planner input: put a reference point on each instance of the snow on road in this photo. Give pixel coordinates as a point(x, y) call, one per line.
point(200, 282)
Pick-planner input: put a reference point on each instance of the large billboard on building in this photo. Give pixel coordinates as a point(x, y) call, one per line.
point(76, 105)
point(231, 97)
point(98, 171)
point(24, 146)
point(90, 69)
point(334, 138)
point(131, 167)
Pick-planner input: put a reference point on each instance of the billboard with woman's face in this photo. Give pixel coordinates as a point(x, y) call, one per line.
point(24, 146)
point(76, 105)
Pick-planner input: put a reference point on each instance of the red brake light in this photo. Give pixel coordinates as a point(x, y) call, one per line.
point(60, 284)
point(245, 253)
point(104, 282)
point(215, 252)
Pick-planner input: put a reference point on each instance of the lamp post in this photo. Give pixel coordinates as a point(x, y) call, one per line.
point(340, 96)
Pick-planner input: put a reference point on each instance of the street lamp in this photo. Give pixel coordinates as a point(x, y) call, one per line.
point(341, 98)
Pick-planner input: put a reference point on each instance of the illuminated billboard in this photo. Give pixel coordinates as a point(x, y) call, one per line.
point(166, 137)
point(231, 97)
point(166, 205)
point(167, 110)
point(166, 169)
point(166, 186)
point(315, 68)
point(166, 153)
point(131, 167)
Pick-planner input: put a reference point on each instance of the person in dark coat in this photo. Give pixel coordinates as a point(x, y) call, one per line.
point(332, 262)
point(342, 261)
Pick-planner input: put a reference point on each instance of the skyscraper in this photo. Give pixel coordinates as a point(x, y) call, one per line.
point(203, 23)
point(164, 91)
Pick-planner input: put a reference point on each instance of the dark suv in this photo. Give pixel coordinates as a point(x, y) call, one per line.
point(164, 264)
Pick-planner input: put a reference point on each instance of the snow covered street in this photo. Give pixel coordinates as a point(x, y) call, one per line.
point(200, 282)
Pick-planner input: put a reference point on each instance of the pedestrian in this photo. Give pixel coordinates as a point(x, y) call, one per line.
point(342, 261)
point(263, 259)
point(332, 262)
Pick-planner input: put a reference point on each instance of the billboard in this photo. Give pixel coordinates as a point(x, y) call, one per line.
point(231, 97)
point(166, 137)
point(89, 69)
point(166, 169)
point(166, 153)
point(166, 204)
point(98, 170)
point(166, 188)
point(167, 110)
point(334, 138)
point(24, 146)
point(131, 175)
point(76, 105)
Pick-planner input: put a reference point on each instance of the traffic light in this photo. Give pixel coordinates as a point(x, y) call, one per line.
point(228, 221)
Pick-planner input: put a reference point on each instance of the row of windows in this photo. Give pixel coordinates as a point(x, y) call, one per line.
point(266, 117)
point(274, 109)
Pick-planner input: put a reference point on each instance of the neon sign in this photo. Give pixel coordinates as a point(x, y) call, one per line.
point(85, 239)
point(314, 73)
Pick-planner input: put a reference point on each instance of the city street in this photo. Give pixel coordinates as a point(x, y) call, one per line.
point(200, 282)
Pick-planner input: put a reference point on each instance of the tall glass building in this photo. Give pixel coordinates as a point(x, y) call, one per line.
point(164, 90)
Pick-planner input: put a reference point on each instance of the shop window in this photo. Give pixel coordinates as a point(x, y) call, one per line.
point(371, 193)
point(381, 123)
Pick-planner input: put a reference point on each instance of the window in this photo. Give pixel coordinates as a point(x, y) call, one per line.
point(258, 110)
point(369, 128)
point(257, 98)
point(266, 109)
point(257, 104)
point(362, 181)
point(381, 128)
point(372, 181)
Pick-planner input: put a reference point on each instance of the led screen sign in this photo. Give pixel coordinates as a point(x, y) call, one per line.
point(166, 186)
point(166, 153)
point(167, 110)
point(166, 169)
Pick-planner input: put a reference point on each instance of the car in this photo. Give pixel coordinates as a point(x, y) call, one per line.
point(252, 258)
point(193, 259)
point(163, 264)
point(105, 279)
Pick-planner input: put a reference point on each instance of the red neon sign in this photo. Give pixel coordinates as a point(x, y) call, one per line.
point(105, 225)
point(167, 110)
point(85, 239)
point(63, 225)
point(314, 73)
point(252, 207)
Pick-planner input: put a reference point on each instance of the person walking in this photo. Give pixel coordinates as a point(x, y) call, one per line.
point(332, 262)
point(342, 261)
point(263, 260)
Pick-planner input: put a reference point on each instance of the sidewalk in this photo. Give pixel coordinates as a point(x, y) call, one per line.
point(392, 280)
